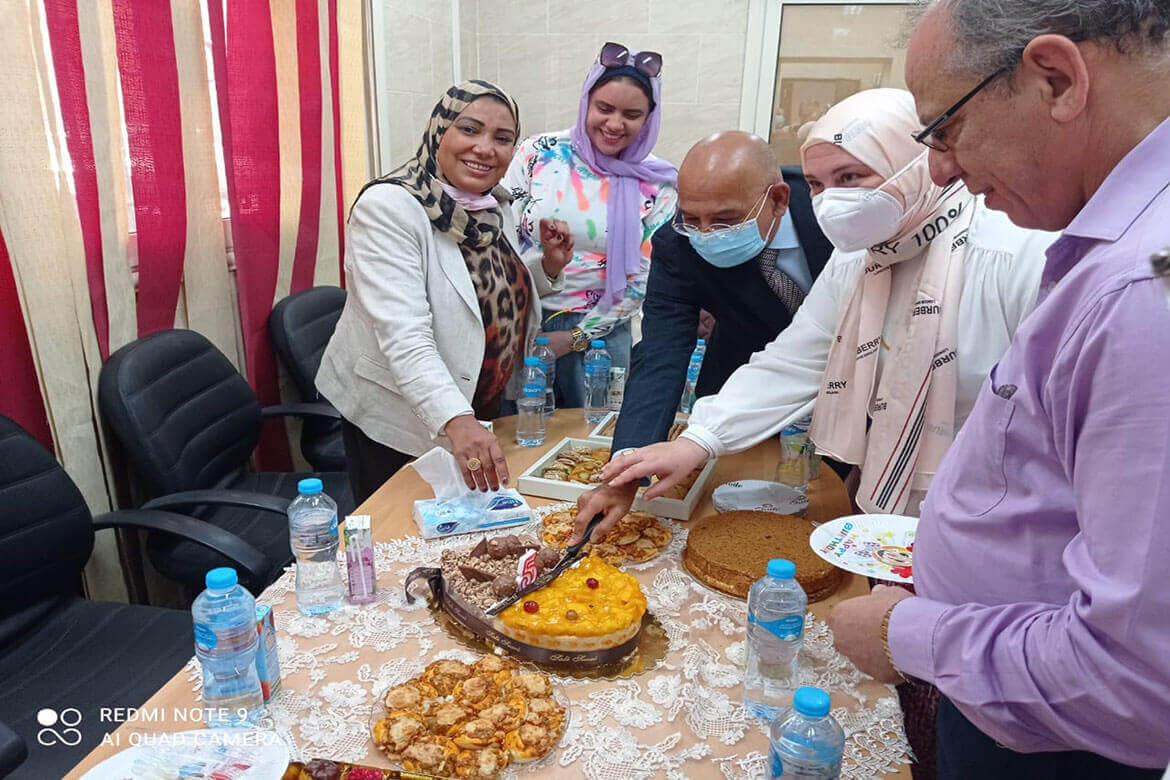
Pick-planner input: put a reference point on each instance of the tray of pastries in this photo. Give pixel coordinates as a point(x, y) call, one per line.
point(470, 720)
point(637, 537)
point(573, 466)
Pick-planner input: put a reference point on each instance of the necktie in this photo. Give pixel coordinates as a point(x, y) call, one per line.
point(782, 285)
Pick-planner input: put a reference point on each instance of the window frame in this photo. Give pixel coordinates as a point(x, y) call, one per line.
point(762, 56)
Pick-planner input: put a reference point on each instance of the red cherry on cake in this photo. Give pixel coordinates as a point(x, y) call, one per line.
point(531, 607)
point(593, 583)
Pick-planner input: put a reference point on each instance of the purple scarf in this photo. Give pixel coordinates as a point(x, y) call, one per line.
point(623, 241)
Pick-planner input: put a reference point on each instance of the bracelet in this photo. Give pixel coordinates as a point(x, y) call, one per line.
point(885, 636)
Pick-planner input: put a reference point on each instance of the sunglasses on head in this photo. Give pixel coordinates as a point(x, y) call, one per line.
point(614, 55)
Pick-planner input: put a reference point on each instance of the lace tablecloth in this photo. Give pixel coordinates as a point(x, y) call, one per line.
point(682, 719)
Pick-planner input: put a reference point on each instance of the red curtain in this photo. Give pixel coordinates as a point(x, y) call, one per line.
point(21, 399)
point(65, 42)
point(154, 129)
point(245, 75)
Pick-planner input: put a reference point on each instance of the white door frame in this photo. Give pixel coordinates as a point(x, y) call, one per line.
point(761, 54)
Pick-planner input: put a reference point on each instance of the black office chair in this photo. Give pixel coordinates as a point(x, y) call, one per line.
point(188, 422)
point(300, 326)
point(59, 651)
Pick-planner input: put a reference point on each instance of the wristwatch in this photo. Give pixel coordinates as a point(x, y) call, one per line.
point(580, 340)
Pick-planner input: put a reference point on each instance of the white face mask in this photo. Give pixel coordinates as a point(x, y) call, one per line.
point(856, 217)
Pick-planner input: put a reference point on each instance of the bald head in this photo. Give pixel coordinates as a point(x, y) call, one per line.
point(723, 178)
point(739, 158)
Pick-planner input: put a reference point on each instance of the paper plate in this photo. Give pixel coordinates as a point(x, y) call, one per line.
point(761, 496)
point(263, 751)
point(878, 546)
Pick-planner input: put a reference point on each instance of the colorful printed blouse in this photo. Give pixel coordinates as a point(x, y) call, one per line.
point(548, 179)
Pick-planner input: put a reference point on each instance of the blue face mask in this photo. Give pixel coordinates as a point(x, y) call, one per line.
point(727, 246)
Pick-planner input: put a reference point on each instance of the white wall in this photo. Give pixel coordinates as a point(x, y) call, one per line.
point(539, 51)
point(412, 57)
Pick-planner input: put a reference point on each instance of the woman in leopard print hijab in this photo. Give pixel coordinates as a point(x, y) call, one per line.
point(453, 176)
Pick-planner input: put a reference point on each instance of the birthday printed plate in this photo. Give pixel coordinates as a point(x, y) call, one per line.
point(878, 546)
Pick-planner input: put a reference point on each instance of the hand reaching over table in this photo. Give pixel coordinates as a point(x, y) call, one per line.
point(612, 502)
point(478, 453)
point(671, 462)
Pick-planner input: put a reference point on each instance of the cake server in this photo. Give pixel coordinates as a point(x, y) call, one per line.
point(571, 556)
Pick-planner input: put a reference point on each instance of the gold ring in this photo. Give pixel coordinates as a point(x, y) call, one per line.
point(474, 464)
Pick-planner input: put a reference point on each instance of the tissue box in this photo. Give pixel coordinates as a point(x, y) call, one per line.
point(267, 663)
point(474, 512)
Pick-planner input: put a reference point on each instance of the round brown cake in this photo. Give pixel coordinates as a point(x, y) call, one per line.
point(730, 551)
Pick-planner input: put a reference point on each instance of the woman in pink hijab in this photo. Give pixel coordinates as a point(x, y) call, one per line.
point(594, 194)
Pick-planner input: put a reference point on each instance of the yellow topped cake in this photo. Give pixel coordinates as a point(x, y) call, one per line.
point(591, 606)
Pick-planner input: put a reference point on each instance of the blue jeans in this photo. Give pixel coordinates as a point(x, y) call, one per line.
point(569, 384)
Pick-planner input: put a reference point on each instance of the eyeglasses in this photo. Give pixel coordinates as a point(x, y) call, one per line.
point(688, 231)
point(614, 55)
point(926, 136)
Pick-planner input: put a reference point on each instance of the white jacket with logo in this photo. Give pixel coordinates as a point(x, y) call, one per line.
point(779, 385)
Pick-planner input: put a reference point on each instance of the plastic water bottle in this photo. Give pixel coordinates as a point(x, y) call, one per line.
point(597, 365)
point(531, 405)
point(549, 362)
point(775, 633)
point(688, 397)
point(225, 643)
point(806, 742)
point(701, 347)
point(814, 459)
point(312, 532)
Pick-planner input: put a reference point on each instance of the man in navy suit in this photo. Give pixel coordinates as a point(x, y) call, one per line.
point(743, 246)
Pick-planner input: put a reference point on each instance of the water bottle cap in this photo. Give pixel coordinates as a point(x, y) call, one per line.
point(701, 343)
point(811, 702)
point(310, 486)
point(223, 578)
point(597, 344)
point(532, 360)
point(542, 340)
point(781, 569)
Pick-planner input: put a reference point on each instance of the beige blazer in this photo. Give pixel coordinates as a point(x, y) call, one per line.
point(406, 354)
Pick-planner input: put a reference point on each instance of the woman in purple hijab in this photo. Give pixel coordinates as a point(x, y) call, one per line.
point(595, 194)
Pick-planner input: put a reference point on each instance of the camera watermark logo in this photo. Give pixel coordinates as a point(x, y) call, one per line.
point(59, 727)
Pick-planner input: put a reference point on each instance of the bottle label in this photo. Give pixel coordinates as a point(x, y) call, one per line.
point(789, 627)
point(533, 389)
point(205, 637)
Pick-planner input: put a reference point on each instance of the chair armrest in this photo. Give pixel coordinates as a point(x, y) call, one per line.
point(302, 410)
point(241, 498)
point(224, 542)
point(13, 750)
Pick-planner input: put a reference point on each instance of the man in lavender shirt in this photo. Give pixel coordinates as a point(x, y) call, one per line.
point(1042, 561)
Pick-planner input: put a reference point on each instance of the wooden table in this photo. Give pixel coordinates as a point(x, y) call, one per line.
point(390, 512)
